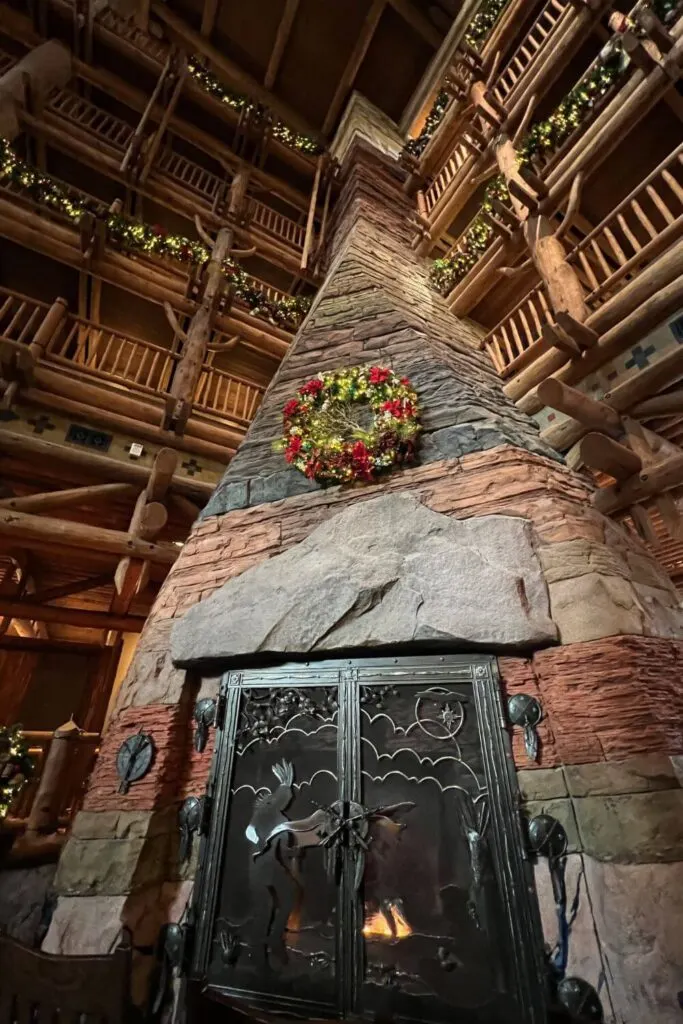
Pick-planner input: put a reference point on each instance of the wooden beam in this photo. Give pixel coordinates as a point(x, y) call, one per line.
point(209, 12)
point(233, 72)
point(353, 64)
point(68, 497)
point(310, 221)
point(74, 587)
point(185, 507)
point(71, 616)
point(418, 22)
point(661, 405)
point(20, 446)
point(283, 32)
point(608, 456)
point(24, 529)
point(596, 415)
point(650, 482)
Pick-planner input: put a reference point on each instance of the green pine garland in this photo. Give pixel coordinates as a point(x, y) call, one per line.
point(482, 23)
point(280, 131)
point(16, 766)
point(416, 147)
point(135, 236)
point(543, 137)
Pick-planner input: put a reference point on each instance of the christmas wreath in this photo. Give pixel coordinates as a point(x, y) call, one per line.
point(351, 424)
point(16, 766)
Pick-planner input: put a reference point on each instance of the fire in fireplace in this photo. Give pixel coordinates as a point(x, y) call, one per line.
point(364, 853)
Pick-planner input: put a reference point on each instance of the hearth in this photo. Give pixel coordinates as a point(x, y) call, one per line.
point(365, 854)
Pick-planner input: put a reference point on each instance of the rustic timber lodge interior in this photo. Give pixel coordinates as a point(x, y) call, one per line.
point(341, 522)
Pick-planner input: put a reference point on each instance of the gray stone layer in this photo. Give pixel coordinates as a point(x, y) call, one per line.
point(379, 573)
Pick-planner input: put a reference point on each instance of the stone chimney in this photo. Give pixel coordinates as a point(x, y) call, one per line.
point(486, 542)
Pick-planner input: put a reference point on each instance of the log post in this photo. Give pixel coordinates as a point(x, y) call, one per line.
point(148, 520)
point(48, 328)
point(188, 371)
point(44, 816)
point(45, 68)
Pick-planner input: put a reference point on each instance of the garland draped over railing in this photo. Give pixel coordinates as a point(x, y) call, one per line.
point(475, 36)
point(279, 130)
point(543, 136)
point(135, 236)
point(16, 766)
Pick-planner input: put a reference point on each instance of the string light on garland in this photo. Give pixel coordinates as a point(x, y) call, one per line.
point(134, 236)
point(483, 22)
point(351, 424)
point(279, 130)
point(543, 137)
point(416, 147)
point(16, 766)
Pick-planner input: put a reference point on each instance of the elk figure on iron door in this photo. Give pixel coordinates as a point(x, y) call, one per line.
point(365, 854)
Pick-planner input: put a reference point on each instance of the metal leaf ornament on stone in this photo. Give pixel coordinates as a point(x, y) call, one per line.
point(134, 759)
point(189, 821)
point(526, 711)
point(205, 717)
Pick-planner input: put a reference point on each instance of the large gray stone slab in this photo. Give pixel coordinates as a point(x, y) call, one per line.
point(381, 572)
point(638, 910)
point(24, 897)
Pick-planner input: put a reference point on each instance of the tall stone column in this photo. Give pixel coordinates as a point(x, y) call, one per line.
point(582, 616)
point(30, 81)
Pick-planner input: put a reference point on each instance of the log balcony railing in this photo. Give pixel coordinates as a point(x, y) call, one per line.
point(184, 177)
point(90, 350)
point(539, 41)
point(632, 237)
point(68, 796)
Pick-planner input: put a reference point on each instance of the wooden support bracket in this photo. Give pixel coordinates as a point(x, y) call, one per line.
point(609, 456)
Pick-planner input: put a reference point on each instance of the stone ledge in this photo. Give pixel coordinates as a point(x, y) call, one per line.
point(642, 774)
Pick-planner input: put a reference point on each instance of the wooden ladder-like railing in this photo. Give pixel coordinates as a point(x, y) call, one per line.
point(538, 40)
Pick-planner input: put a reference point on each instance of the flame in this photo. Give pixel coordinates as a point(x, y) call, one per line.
point(377, 925)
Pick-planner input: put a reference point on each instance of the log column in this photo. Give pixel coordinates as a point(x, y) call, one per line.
point(196, 340)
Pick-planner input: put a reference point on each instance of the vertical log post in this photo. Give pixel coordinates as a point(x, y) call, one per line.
point(45, 68)
point(44, 816)
point(187, 374)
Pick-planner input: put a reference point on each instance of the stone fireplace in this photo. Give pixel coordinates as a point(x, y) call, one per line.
point(486, 552)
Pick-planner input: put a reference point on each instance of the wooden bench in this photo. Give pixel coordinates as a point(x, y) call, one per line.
point(35, 987)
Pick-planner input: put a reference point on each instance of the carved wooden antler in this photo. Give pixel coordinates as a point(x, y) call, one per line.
point(173, 321)
point(223, 346)
point(572, 205)
point(202, 232)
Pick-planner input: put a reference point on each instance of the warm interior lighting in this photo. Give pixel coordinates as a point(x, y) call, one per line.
point(378, 925)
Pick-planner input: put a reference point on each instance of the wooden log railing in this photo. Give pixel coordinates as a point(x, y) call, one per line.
point(642, 227)
point(154, 49)
point(81, 113)
point(221, 393)
point(70, 792)
point(92, 350)
point(20, 316)
point(538, 41)
point(207, 185)
point(445, 176)
point(112, 356)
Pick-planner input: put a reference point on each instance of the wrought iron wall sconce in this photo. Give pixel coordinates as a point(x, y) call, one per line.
point(526, 712)
point(580, 999)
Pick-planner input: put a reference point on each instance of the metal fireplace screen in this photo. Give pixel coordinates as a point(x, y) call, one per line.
point(365, 851)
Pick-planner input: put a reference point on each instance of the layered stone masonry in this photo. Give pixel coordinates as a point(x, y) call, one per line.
point(377, 306)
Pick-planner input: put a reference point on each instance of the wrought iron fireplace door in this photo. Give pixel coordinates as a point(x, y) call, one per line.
point(365, 853)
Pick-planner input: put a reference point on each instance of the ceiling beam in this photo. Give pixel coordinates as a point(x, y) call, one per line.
point(209, 16)
point(353, 64)
point(233, 72)
point(71, 616)
point(73, 587)
point(283, 32)
point(418, 22)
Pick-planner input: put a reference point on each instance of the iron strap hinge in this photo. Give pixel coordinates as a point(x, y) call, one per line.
point(207, 808)
point(221, 706)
